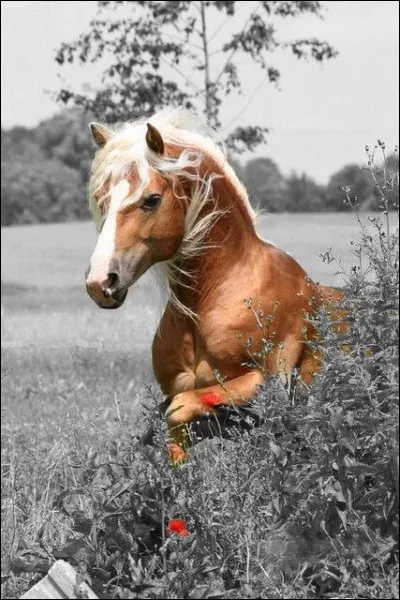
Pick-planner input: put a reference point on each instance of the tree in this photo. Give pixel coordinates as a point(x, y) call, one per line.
point(19, 143)
point(304, 195)
point(158, 53)
point(44, 169)
point(265, 185)
point(360, 184)
point(65, 138)
point(387, 176)
point(40, 191)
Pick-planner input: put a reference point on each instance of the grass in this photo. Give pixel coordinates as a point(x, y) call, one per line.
point(76, 384)
point(54, 336)
point(57, 255)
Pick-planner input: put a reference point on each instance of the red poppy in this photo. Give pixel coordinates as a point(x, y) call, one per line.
point(211, 399)
point(178, 526)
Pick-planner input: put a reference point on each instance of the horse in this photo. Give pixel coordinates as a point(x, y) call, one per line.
point(162, 191)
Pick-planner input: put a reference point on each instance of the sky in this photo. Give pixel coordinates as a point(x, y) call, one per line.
point(320, 118)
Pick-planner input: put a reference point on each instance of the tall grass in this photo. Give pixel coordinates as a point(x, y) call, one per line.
point(302, 506)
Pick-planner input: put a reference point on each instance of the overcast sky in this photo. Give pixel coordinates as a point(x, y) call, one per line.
point(320, 119)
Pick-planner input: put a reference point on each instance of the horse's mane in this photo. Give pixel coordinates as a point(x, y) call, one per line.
point(126, 152)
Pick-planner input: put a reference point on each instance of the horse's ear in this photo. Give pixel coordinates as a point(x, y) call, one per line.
point(100, 133)
point(154, 139)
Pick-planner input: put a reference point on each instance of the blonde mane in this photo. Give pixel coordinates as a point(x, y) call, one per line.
point(127, 150)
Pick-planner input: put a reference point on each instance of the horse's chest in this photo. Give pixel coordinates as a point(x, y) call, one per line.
point(217, 356)
point(204, 373)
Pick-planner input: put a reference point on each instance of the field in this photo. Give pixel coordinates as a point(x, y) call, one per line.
point(75, 377)
point(63, 356)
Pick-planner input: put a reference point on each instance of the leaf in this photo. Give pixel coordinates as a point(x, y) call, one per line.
point(117, 490)
point(345, 442)
point(59, 500)
point(81, 523)
point(23, 564)
point(275, 449)
point(343, 517)
point(76, 550)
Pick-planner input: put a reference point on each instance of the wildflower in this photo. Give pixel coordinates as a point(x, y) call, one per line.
point(211, 399)
point(176, 453)
point(178, 526)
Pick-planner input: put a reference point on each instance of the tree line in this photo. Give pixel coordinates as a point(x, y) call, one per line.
point(44, 174)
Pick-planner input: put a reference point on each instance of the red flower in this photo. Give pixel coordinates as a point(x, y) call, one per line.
point(211, 399)
point(178, 526)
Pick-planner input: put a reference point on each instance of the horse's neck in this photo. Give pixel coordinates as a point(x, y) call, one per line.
point(230, 240)
point(234, 224)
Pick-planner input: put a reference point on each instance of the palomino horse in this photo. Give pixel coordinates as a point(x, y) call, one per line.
point(165, 193)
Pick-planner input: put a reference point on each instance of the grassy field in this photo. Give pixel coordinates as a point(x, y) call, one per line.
point(71, 373)
point(62, 354)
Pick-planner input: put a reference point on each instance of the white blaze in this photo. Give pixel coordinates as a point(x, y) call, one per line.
point(105, 246)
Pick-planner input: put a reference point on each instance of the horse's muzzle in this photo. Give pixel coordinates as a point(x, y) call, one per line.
point(118, 297)
point(108, 293)
point(114, 302)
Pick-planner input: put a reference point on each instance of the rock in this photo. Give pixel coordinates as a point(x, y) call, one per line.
point(62, 581)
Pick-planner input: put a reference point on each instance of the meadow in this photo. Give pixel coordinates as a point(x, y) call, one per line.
point(55, 341)
point(62, 355)
point(77, 380)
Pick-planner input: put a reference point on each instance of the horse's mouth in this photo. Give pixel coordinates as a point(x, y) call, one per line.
point(118, 298)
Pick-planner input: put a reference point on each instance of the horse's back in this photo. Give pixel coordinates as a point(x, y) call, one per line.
point(331, 295)
point(332, 300)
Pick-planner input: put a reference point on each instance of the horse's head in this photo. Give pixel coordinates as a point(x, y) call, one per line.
point(140, 211)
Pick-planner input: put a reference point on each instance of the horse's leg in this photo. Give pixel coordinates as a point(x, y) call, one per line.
point(310, 364)
point(311, 358)
point(193, 404)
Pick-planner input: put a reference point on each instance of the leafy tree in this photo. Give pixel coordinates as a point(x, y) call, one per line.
point(44, 170)
point(366, 190)
point(304, 195)
point(41, 191)
point(358, 180)
point(386, 180)
point(65, 137)
point(162, 53)
point(19, 143)
point(265, 184)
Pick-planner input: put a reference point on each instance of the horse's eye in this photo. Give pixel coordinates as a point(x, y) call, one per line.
point(151, 202)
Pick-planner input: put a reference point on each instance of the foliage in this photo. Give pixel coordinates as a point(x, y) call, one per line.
point(43, 191)
point(357, 180)
point(45, 171)
point(66, 138)
point(365, 190)
point(265, 184)
point(303, 506)
point(160, 53)
point(303, 194)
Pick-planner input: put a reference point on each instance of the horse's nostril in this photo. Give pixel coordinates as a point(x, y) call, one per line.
point(113, 279)
point(110, 284)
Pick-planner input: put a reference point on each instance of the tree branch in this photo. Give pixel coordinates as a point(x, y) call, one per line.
point(234, 50)
point(206, 61)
